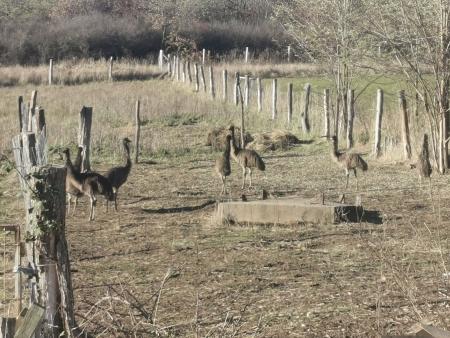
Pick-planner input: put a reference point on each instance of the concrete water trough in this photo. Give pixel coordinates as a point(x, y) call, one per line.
point(293, 210)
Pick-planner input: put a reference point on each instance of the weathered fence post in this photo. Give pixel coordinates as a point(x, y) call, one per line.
point(246, 54)
point(7, 327)
point(326, 112)
point(110, 69)
point(236, 89)
point(247, 91)
point(169, 66)
point(212, 89)
point(178, 69)
point(289, 54)
point(225, 85)
point(289, 103)
point(183, 70)
point(84, 137)
point(305, 114)
point(379, 117)
point(351, 115)
point(203, 56)
point(138, 132)
point(161, 59)
point(31, 109)
point(197, 85)
point(188, 66)
point(20, 104)
point(241, 100)
point(50, 72)
point(202, 78)
point(274, 98)
point(405, 124)
point(259, 93)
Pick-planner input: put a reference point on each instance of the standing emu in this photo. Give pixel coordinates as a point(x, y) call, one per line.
point(247, 159)
point(223, 166)
point(118, 175)
point(348, 161)
point(87, 184)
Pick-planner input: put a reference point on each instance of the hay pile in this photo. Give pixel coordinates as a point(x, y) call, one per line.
point(217, 137)
point(277, 139)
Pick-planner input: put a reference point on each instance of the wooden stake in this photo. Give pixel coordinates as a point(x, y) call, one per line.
point(246, 54)
point(110, 69)
point(405, 124)
point(236, 90)
point(289, 54)
point(224, 85)
point(259, 93)
point(326, 112)
point(379, 117)
point(202, 78)
point(197, 85)
point(351, 115)
point(305, 113)
point(161, 59)
point(84, 137)
point(247, 91)
point(50, 72)
point(289, 103)
point(138, 132)
point(188, 66)
point(183, 71)
point(31, 109)
point(274, 98)
point(203, 56)
point(20, 104)
point(212, 89)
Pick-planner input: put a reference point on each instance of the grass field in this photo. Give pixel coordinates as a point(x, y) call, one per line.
point(238, 280)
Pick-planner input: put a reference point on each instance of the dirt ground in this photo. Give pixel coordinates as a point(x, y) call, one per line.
point(162, 266)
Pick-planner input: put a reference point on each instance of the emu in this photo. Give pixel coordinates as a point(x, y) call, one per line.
point(78, 159)
point(223, 166)
point(347, 161)
point(246, 158)
point(117, 176)
point(87, 184)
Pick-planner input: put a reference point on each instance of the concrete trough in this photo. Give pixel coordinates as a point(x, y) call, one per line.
point(288, 211)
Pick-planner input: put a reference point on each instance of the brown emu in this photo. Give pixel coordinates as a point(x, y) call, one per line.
point(87, 184)
point(247, 159)
point(223, 166)
point(117, 176)
point(347, 161)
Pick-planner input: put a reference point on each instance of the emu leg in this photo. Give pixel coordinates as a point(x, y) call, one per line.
point(115, 201)
point(250, 172)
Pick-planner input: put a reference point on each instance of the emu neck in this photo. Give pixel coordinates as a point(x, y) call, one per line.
point(226, 153)
point(234, 148)
point(127, 155)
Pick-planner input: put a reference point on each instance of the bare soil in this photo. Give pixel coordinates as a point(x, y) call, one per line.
point(377, 277)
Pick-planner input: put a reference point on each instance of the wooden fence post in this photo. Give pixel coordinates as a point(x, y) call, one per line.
point(202, 78)
point(405, 124)
point(110, 69)
point(212, 89)
point(241, 100)
point(225, 85)
point(203, 56)
point(289, 103)
point(183, 70)
point(161, 59)
point(7, 327)
point(20, 105)
point(247, 91)
point(178, 77)
point(305, 114)
point(274, 98)
point(18, 278)
point(31, 109)
point(259, 93)
point(188, 66)
point(236, 89)
point(197, 85)
point(50, 72)
point(84, 137)
point(326, 111)
point(289, 54)
point(379, 117)
point(351, 115)
point(169, 66)
point(246, 54)
point(138, 132)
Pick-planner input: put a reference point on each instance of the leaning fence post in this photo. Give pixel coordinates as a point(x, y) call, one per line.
point(50, 72)
point(202, 78)
point(84, 137)
point(225, 84)
point(305, 113)
point(138, 132)
point(259, 93)
point(351, 115)
point(197, 85)
point(247, 91)
point(289, 103)
point(379, 117)
point(405, 125)
point(212, 89)
point(326, 111)
point(110, 69)
point(274, 98)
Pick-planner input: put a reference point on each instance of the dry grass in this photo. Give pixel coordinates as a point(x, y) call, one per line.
point(356, 280)
point(274, 140)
